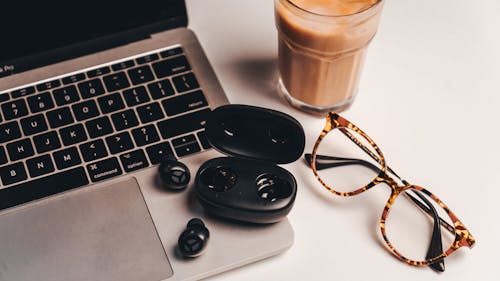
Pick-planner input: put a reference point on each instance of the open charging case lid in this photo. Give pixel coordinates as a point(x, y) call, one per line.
point(255, 133)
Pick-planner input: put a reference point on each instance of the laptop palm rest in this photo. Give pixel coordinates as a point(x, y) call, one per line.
point(103, 233)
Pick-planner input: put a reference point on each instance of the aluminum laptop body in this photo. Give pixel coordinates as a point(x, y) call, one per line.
point(121, 225)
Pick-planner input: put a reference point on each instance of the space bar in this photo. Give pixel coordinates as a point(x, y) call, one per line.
point(43, 187)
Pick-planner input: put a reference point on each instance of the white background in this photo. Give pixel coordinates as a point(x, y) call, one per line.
point(429, 97)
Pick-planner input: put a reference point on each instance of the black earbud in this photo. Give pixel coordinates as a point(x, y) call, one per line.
point(174, 175)
point(194, 239)
point(219, 178)
point(272, 188)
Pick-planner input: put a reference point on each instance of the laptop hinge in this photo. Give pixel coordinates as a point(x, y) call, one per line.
point(89, 47)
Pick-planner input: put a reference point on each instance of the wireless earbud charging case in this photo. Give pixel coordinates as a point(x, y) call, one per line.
point(248, 185)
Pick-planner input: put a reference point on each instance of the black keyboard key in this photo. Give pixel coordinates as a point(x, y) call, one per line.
point(4, 97)
point(161, 89)
point(40, 166)
point(134, 160)
point(93, 150)
point(116, 81)
point(147, 59)
point(3, 156)
point(42, 187)
point(150, 112)
point(11, 174)
point(9, 131)
point(183, 124)
point(67, 158)
point(111, 103)
point(119, 143)
point(122, 65)
point(60, 117)
point(34, 124)
point(98, 72)
point(40, 102)
point(47, 142)
point(184, 103)
point(145, 135)
point(20, 149)
point(159, 152)
point(187, 149)
point(85, 110)
point(183, 140)
point(171, 52)
point(136, 96)
point(23, 92)
point(66, 95)
point(104, 169)
point(202, 136)
point(14, 109)
point(124, 120)
point(185, 82)
point(140, 75)
point(91, 88)
point(73, 78)
point(99, 127)
point(48, 85)
point(73, 134)
point(171, 66)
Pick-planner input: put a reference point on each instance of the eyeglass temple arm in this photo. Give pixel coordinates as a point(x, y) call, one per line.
point(325, 162)
point(436, 245)
point(443, 223)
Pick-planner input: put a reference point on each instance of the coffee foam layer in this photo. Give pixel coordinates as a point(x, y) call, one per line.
point(334, 7)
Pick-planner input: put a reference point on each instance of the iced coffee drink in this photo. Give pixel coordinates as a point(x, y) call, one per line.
point(322, 46)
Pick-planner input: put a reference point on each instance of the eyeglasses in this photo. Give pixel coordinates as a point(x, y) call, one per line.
point(413, 238)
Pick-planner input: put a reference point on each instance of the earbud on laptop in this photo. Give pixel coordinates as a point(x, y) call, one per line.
point(174, 175)
point(194, 239)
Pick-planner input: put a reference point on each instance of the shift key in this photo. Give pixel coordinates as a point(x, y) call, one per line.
point(104, 169)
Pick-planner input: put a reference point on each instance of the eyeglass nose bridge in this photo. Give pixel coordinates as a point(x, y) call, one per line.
point(395, 186)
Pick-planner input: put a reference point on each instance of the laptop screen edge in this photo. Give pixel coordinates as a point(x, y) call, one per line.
point(56, 55)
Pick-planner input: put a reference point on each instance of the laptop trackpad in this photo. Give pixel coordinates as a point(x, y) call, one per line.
point(94, 234)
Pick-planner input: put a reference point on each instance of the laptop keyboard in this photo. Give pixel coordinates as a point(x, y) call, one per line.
point(94, 125)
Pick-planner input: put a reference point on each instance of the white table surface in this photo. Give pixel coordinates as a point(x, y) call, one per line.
point(429, 97)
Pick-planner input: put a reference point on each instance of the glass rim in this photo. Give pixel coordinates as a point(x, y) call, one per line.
point(379, 2)
point(395, 242)
point(371, 144)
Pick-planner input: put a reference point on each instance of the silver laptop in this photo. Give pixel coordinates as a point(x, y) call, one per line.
point(92, 97)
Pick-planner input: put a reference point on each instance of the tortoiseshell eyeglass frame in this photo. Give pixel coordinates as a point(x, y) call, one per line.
point(463, 237)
